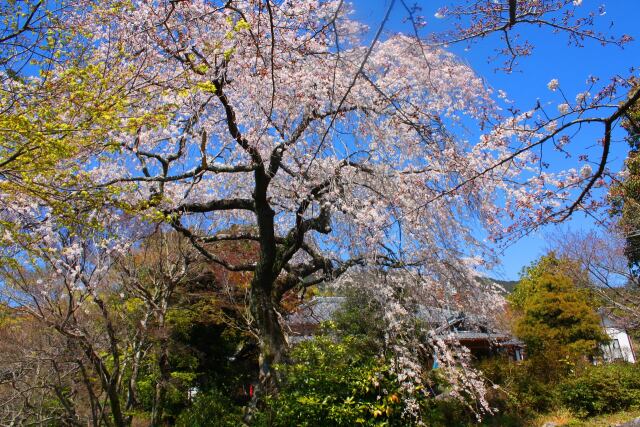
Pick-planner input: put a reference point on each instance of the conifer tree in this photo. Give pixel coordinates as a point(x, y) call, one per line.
point(556, 318)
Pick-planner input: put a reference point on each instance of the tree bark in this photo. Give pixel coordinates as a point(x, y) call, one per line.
point(263, 302)
point(165, 374)
point(272, 341)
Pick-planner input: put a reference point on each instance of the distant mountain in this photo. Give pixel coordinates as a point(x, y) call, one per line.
point(508, 285)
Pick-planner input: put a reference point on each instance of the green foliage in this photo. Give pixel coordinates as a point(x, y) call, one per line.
point(334, 383)
point(199, 355)
point(359, 317)
point(586, 391)
point(211, 409)
point(624, 195)
point(556, 319)
point(452, 413)
point(447, 413)
point(525, 386)
point(601, 389)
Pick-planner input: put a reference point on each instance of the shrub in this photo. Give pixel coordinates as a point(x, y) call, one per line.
point(454, 413)
point(527, 385)
point(590, 390)
point(334, 383)
point(211, 409)
point(446, 413)
point(602, 389)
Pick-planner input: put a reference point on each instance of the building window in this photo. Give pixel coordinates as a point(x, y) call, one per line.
point(616, 351)
point(518, 355)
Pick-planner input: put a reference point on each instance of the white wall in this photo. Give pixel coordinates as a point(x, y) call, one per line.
point(619, 347)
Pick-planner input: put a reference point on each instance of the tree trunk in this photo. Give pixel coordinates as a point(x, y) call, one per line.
point(273, 345)
point(272, 341)
point(116, 411)
point(263, 304)
point(139, 342)
point(109, 385)
point(161, 389)
point(165, 375)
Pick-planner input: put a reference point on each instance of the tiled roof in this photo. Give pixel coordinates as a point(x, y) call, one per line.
point(320, 309)
point(316, 311)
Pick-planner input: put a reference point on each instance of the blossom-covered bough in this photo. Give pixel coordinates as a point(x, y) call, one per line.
point(285, 125)
point(326, 155)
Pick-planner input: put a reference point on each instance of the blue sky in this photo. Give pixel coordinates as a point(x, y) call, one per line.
point(552, 58)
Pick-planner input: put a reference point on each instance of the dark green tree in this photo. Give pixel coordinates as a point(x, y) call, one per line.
point(556, 318)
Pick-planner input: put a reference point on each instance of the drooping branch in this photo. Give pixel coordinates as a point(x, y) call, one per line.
point(278, 152)
point(482, 18)
point(606, 145)
point(232, 124)
point(198, 244)
point(213, 206)
point(194, 173)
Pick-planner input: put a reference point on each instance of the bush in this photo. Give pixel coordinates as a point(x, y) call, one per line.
point(528, 386)
point(589, 390)
point(211, 409)
point(334, 383)
point(602, 389)
point(454, 413)
point(446, 413)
